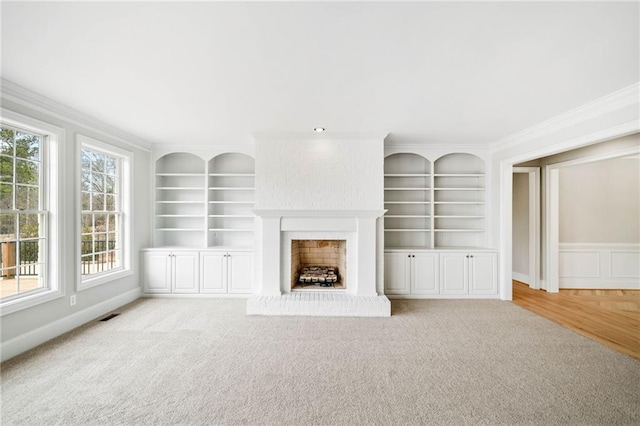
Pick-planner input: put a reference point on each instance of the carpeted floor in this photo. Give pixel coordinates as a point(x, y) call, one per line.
point(186, 361)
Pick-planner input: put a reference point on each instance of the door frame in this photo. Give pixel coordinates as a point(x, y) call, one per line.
point(533, 174)
point(552, 199)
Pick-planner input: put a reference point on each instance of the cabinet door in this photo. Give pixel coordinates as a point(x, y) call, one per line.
point(157, 271)
point(240, 272)
point(185, 272)
point(454, 273)
point(213, 272)
point(483, 273)
point(424, 270)
point(397, 273)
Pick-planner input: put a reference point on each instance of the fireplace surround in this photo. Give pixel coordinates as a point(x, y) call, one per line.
point(360, 230)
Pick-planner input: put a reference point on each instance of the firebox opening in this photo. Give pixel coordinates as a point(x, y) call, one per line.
point(318, 265)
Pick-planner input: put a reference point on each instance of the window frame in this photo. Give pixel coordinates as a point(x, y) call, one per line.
point(51, 201)
point(84, 282)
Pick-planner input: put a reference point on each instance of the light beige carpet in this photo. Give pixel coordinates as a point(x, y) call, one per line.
point(179, 361)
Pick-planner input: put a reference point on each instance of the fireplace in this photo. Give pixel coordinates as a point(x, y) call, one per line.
point(356, 231)
point(318, 265)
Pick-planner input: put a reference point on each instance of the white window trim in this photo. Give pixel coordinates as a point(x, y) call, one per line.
point(126, 185)
point(53, 172)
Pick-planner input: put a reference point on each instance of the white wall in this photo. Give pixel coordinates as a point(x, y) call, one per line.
point(32, 326)
point(328, 172)
point(520, 225)
point(600, 202)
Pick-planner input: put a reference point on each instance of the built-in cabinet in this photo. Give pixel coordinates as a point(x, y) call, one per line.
point(443, 273)
point(183, 271)
point(167, 271)
point(226, 272)
point(435, 227)
point(204, 225)
point(411, 272)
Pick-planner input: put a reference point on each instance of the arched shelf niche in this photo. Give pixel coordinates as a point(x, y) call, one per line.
point(459, 198)
point(408, 200)
point(180, 200)
point(230, 199)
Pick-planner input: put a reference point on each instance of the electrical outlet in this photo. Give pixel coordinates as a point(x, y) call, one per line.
point(72, 300)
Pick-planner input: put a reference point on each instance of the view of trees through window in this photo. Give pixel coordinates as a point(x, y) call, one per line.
point(22, 218)
point(101, 216)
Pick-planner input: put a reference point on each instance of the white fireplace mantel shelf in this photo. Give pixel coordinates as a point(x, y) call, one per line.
point(319, 213)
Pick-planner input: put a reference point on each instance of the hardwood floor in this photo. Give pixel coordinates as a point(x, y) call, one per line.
point(610, 317)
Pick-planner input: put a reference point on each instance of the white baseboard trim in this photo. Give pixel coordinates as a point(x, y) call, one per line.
point(31, 339)
point(194, 296)
point(443, 296)
point(521, 277)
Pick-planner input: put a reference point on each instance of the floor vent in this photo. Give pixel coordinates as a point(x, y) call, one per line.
point(108, 317)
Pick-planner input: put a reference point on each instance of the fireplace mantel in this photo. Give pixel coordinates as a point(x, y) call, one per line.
point(319, 213)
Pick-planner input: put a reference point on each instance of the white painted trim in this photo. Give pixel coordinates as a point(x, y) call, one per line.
point(599, 107)
point(444, 296)
point(600, 258)
point(505, 285)
point(25, 97)
point(553, 227)
point(53, 167)
point(126, 189)
point(31, 339)
point(534, 226)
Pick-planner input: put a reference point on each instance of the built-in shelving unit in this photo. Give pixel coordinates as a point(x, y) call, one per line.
point(203, 204)
point(443, 208)
point(231, 183)
point(459, 200)
point(180, 200)
point(407, 198)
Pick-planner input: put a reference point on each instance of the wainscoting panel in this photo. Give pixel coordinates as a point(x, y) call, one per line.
point(597, 265)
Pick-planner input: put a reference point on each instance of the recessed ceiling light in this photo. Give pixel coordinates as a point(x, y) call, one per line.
point(318, 129)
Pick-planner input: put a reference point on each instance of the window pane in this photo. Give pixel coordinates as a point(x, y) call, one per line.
point(100, 224)
point(30, 252)
point(111, 165)
point(97, 182)
point(112, 223)
point(29, 226)
point(27, 146)
point(30, 277)
point(97, 203)
point(9, 252)
point(6, 196)
point(110, 184)
point(6, 144)
point(6, 169)
point(7, 227)
point(111, 203)
point(97, 162)
point(27, 172)
point(85, 181)
point(113, 244)
point(87, 223)
point(86, 201)
point(27, 198)
point(9, 282)
point(87, 265)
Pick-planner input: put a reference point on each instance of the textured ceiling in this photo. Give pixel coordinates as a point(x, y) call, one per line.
point(212, 72)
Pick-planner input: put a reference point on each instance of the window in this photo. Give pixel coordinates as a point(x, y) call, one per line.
point(103, 197)
point(22, 216)
point(31, 249)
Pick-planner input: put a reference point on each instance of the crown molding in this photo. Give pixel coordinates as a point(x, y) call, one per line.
point(25, 97)
point(258, 136)
point(617, 100)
